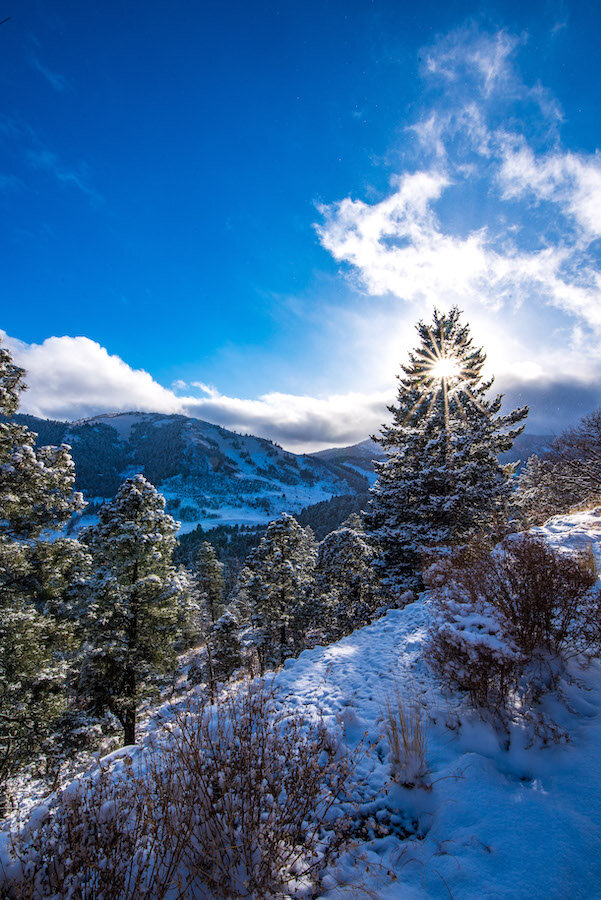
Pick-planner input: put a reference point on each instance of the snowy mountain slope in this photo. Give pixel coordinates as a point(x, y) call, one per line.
point(500, 814)
point(526, 445)
point(360, 457)
point(209, 475)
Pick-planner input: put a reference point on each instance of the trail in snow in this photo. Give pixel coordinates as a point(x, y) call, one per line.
point(504, 817)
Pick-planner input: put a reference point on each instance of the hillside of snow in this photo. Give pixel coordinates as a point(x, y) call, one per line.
point(499, 813)
point(358, 457)
point(209, 476)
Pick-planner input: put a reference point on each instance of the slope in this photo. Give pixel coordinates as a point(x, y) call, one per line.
point(209, 475)
point(500, 813)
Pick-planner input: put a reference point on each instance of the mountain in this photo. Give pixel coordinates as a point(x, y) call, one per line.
point(360, 457)
point(356, 458)
point(212, 476)
point(209, 475)
point(527, 445)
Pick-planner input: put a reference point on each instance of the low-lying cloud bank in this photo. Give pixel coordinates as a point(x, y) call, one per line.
point(74, 377)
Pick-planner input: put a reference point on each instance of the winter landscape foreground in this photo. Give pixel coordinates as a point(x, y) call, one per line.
point(407, 706)
point(493, 813)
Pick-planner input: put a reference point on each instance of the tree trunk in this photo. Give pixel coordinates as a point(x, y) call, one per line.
point(3, 800)
point(129, 730)
point(211, 671)
point(282, 642)
point(131, 683)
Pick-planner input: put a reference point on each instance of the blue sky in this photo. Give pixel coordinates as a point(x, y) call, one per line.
point(238, 210)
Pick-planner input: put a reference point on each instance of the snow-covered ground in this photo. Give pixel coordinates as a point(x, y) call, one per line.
point(499, 814)
point(499, 818)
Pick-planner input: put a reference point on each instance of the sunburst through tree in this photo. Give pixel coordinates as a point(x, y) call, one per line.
point(441, 482)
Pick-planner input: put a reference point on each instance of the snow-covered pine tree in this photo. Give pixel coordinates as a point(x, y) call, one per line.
point(441, 483)
point(277, 580)
point(355, 522)
point(36, 493)
point(225, 646)
point(345, 577)
point(194, 620)
point(134, 594)
point(210, 579)
point(540, 493)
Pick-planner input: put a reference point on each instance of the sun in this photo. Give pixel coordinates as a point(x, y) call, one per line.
point(443, 376)
point(445, 367)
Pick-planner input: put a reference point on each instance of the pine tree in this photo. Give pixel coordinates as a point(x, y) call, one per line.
point(277, 581)
point(134, 594)
point(441, 483)
point(36, 493)
point(194, 619)
point(345, 576)
point(210, 579)
point(225, 646)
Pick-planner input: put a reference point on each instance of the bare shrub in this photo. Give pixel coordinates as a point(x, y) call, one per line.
point(106, 837)
point(499, 610)
point(405, 729)
point(268, 788)
point(244, 799)
point(541, 592)
point(471, 647)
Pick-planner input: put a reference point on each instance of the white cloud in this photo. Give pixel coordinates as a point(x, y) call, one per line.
point(58, 82)
point(469, 52)
point(72, 377)
point(468, 58)
point(398, 246)
point(75, 377)
point(299, 422)
point(44, 159)
point(573, 181)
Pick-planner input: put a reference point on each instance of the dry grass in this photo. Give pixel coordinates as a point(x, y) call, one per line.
point(405, 728)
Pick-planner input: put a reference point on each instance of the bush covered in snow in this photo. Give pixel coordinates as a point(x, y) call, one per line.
point(243, 799)
point(498, 611)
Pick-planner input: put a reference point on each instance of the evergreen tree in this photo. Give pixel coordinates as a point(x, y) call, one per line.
point(194, 619)
point(225, 647)
point(36, 493)
point(345, 577)
point(58, 574)
point(568, 473)
point(537, 497)
point(210, 579)
point(441, 483)
point(277, 581)
point(134, 601)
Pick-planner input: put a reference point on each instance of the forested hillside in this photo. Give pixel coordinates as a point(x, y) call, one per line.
point(208, 474)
